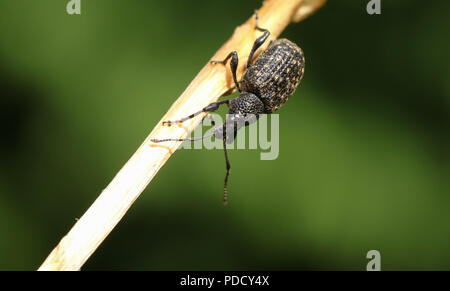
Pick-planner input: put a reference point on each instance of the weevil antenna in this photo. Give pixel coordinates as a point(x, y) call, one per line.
point(184, 139)
point(225, 189)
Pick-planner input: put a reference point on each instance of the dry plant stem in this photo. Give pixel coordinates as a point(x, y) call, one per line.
point(212, 82)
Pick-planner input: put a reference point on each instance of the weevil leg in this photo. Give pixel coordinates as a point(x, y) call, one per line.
point(156, 140)
point(213, 123)
point(225, 184)
point(233, 64)
point(259, 41)
point(210, 108)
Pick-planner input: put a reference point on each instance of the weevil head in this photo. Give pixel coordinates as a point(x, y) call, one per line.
point(244, 110)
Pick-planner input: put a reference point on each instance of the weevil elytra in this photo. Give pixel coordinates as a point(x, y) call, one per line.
point(266, 85)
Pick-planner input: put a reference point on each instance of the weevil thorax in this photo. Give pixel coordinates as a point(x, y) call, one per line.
point(275, 74)
point(246, 103)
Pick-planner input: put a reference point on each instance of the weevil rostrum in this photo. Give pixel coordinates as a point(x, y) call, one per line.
point(267, 84)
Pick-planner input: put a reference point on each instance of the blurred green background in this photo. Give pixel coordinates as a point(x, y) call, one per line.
point(364, 142)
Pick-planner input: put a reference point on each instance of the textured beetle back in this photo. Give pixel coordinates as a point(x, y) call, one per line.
point(275, 74)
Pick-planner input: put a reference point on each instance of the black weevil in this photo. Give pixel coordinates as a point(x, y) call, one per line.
point(267, 84)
